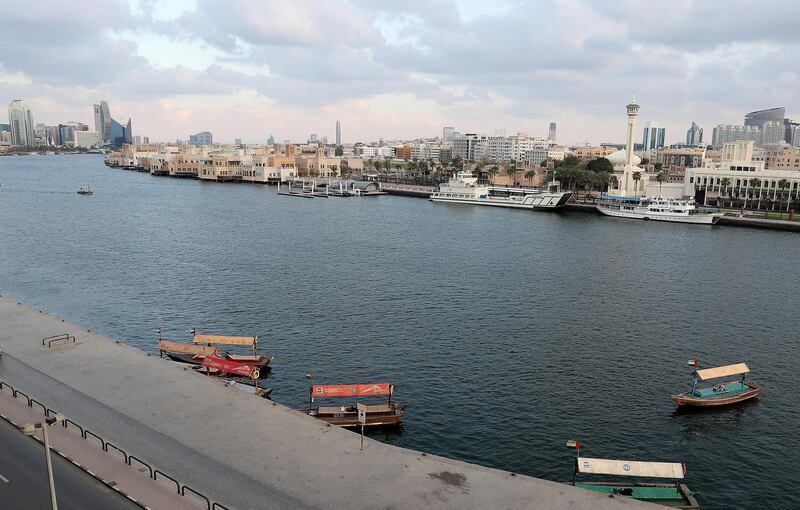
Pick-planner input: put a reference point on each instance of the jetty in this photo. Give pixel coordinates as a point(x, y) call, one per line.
point(240, 450)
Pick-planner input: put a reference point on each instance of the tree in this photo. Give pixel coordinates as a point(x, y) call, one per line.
point(492, 172)
point(637, 176)
point(600, 165)
point(660, 178)
point(571, 161)
point(411, 166)
point(345, 169)
point(658, 166)
point(754, 183)
point(530, 174)
point(783, 184)
point(725, 182)
point(511, 170)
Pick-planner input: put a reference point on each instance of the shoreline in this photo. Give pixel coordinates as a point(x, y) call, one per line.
point(268, 455)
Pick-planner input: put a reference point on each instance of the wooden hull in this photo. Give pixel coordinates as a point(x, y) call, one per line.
point(260, 362)
point(349, 419)
point(686, 400)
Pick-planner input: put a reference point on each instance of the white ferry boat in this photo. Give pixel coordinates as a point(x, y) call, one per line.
point(464, 189)
point(659, 208)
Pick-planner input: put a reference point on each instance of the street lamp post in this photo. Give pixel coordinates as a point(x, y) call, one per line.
point(29, 430)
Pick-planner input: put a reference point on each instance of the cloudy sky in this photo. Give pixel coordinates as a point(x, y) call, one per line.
point(399, 69)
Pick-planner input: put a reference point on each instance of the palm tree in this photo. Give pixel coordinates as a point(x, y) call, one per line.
point(511, 170)
point(660, 178)
point(783, 184)
point(492, 172)
point(637, 176)
point(530, 174)
point(725, 182)
point(754, 183)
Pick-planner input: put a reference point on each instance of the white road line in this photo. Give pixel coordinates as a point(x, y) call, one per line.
point(4, 478)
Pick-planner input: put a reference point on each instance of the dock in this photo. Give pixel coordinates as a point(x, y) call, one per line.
point(242, 451)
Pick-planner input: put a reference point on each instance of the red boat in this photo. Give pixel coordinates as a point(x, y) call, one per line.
point(719, 394)
point(256, 360)
point(376, 415)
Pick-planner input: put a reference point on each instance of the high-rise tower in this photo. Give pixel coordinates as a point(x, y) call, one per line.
point(338, 133)
point(20, 120)
point(552, 134)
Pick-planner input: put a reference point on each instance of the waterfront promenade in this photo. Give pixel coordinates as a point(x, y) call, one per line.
point(244, 452)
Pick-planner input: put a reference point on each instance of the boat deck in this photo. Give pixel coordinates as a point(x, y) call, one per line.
point(662, 495)
point(731, 388)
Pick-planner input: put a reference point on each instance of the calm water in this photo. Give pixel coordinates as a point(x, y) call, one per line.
point(509, 332)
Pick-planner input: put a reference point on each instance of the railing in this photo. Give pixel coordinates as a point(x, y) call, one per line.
point(153, 474)
point(63, 337)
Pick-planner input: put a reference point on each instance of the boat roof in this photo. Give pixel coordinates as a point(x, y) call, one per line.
point(630, 199)
point(713, 373)
point(227, 340)
point(203, 350)
point(674, 470)
point(351, 390)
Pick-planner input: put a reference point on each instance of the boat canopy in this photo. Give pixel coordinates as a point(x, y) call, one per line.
point(227, 340)
point(672, 470)
point(200, 350)
point(713, 373)
point(351, 390)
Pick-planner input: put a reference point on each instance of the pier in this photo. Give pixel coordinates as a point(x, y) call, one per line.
point(245, 452)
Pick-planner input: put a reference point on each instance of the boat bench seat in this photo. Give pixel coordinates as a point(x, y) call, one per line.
point(730, 388)
point(380, 408)
point(330, 410)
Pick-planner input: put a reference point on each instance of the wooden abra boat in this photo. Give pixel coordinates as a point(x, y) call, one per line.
point(186, 353)
point(380, 415)
point(675, 494)
point(719, 394)
point(256, 360)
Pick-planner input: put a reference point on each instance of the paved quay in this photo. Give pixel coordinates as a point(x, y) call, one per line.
point(244, 452)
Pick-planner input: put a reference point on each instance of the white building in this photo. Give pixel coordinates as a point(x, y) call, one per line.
point(21, 121)
point(87, 139)
point(725, 133)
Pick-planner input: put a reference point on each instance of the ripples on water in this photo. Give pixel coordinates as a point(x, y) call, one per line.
point(508, 332)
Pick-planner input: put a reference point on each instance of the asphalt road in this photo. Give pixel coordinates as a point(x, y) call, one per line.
point(23, 479)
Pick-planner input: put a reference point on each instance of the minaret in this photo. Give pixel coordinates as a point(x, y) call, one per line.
point(628, 184)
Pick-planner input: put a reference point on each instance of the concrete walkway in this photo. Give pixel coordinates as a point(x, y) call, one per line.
point(242, 451)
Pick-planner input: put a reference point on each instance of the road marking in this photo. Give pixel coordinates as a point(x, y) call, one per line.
point(4, 478)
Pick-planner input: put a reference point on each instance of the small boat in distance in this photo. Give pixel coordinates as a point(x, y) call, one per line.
point(85, 190)
point(380, 415)
point(674, 494)
point(719, 394)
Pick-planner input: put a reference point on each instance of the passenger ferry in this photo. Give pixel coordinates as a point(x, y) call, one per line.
point(659, 208)
point(464, 189)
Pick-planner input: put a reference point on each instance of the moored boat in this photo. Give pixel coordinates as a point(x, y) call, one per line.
point(376, 415)
point(719, 394)
point(658, 208)
point(256, 360)
point(464, 189)
point(186, 353)
point(673, 494)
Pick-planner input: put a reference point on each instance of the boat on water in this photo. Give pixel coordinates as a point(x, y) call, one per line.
point(85, 190)
point(658, 208)
point(186, 353)
point(257, 360)
point(465, 189)
point(196, 352)
point(718, 394)
point(376, 415)
point(674, 494)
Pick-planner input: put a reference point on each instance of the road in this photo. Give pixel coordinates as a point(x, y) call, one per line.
point(23, 479)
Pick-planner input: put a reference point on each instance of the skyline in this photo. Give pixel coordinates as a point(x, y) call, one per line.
point(250, 69)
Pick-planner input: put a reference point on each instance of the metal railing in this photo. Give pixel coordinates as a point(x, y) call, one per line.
point(63, 337)
point(153, 474)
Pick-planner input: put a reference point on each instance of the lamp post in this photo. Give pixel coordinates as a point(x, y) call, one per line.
point(31, 429)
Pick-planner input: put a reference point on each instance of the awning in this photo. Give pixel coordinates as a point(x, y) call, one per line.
point(713, 373)
point(227, 340)
point(201, 350)
point(351, 390)
point(672, 470)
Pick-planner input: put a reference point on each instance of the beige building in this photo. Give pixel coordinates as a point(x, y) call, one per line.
point(318, 165)
point(785, 158)
point(221, 167)
point(588, 153)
